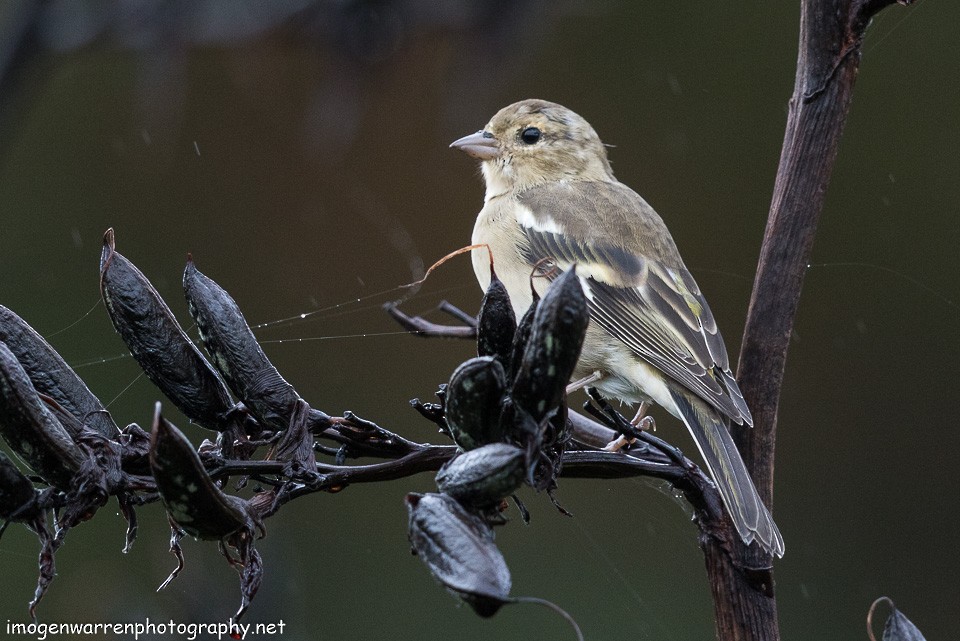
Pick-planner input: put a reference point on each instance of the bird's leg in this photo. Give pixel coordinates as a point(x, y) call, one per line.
point(583, 382)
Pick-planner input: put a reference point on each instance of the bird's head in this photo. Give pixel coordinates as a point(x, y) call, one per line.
point(533, 142)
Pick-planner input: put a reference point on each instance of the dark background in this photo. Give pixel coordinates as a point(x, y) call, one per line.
point(299, 150)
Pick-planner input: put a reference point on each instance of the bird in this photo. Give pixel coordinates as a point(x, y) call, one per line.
point(551, 195)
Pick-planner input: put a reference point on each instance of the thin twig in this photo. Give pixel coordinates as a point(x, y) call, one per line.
point(426, 329)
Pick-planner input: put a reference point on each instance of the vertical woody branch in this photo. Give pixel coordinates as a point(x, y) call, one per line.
point(830, 37)
point(831, 34)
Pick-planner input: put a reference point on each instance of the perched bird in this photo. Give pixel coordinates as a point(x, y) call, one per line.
point(551, 194)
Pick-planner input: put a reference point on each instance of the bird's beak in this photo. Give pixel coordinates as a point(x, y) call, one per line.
point(481, 145)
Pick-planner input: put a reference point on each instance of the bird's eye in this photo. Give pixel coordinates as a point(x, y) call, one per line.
point(530, 135)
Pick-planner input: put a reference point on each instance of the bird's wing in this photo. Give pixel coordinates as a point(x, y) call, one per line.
point(639, 290)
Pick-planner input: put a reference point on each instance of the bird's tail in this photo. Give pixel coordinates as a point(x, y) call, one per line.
point(750, 516)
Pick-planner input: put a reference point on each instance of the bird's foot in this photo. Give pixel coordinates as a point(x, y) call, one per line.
point(618, 444)
point(643, 422)
point(628, 438)
point(628, 431)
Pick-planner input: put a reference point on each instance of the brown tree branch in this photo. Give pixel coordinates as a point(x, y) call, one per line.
point(831, 34)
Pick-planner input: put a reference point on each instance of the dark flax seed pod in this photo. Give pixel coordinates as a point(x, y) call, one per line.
point(458, 548)
point(192, 500)
point(482, 477)
point(473, 399)
point(51, 375)
point(31, 430)
point(496, 323)
point(158, 343)
point(235, 351)
point(521, 337)
point(550, 355)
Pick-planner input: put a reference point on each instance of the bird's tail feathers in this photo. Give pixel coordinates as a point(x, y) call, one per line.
point(750, 516)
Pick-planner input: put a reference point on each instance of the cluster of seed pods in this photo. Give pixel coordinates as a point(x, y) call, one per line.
point(506, 410)
point(66, 437)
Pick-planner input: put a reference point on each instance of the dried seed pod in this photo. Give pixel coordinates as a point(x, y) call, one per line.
point(51, 375)
point(189, 494)
point(897, 626)
point(482, 477)
point(235, 351)
point(522, 336)
point(496, 323)
point(31, 430)
point(551, 353)
point(16, 490)
point(458, 548)
point(158, 343)
point(473, 399)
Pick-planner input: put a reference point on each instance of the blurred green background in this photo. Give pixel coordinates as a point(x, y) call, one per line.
point(299, 150)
